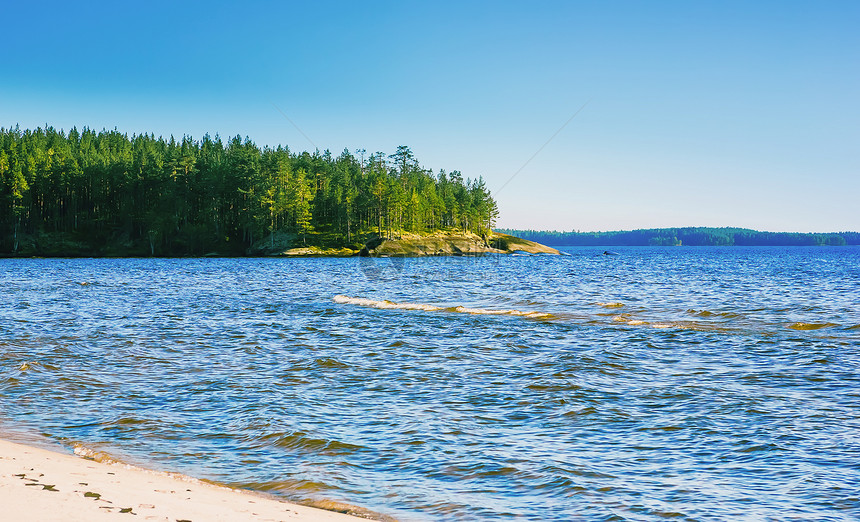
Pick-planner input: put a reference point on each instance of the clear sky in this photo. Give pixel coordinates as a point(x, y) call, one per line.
point(696, 113)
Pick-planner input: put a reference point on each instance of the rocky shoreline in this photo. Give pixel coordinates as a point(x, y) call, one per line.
point(422, 245)
point(452, 244)
point(439, 243)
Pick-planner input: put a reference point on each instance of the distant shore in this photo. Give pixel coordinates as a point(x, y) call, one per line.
point(687, 236)
point(38, 485)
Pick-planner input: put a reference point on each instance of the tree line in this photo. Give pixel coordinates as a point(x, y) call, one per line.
point(109, 193)
point(689, 236)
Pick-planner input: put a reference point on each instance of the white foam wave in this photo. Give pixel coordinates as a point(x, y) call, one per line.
point(625, 318)
point(91, 454)
point(359, 301)
point(391, 305)
point(484, 311)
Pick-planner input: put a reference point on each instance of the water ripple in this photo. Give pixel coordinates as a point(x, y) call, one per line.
point(681, 384)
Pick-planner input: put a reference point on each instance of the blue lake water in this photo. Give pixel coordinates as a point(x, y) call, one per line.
point(682, 383)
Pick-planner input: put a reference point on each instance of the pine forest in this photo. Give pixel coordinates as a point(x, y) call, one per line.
point(105, 193)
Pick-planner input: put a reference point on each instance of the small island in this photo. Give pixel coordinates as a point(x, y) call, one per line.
point(106, 194)
point(438, 243)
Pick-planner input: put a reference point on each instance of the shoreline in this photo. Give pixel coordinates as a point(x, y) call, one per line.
point(399, 244)
point(38, 484)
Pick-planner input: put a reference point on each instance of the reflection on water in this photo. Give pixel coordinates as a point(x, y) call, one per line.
point(696, 384)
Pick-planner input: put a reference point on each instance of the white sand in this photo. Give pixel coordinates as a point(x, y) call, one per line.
point(44, 486)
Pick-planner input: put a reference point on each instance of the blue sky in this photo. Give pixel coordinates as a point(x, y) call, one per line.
point(696, 113)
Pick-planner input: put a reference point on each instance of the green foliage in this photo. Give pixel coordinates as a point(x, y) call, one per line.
point(688, 236)
point(108, 193)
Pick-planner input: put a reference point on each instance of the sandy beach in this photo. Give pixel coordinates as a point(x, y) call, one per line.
point(41, 485)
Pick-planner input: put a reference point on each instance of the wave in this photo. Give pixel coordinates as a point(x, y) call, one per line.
point(391, 305)
point(90, 454)
point(810, 326)
point(302, 441)
point(328, 362)
point(483, 311)
point(384, 305)
point(708, 313)
point(625, 318)
point(27, 366)
point(676, 325)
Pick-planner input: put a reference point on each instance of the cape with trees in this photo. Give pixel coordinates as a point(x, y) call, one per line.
point(105, 193)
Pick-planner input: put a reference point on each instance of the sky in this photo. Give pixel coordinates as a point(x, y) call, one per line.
point(604, 115)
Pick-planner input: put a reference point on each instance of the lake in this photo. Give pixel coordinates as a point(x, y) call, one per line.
point(684, 383)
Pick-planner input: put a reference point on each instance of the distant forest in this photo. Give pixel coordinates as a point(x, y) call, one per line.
point(105, 193)
point(690, 236)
